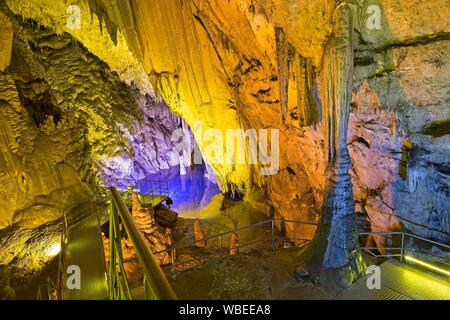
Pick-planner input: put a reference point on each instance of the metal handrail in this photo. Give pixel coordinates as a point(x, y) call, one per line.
point(402, 248)
point(156, 189)
point(156, 185)
point(49, 286)
point(155, 277)
point(273, 238)
point(219, 235)
point(405, 234)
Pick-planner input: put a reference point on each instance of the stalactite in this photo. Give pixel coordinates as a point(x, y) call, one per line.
point(283, 70)
point(415, 176)
point(335, 250)
point(403, 165)
point(97, 8)
point(306, 107)
point(392, 125)
point(339, 209)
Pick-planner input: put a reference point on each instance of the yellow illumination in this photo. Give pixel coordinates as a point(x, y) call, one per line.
point(54, 250)
point(427, 265)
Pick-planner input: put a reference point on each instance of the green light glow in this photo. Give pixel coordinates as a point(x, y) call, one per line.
point(427, 265)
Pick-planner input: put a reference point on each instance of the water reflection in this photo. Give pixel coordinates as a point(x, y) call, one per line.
point(189, 192)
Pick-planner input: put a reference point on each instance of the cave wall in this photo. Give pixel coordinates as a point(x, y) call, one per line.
point(258, 64)
point(401, 90)
point(69, 126)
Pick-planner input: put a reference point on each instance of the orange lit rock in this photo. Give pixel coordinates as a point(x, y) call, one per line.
point(198, 234)
point(158, 238)
point(234, 244)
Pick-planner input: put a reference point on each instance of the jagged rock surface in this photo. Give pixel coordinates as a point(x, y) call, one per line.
point(218, 62)
point(68, 127)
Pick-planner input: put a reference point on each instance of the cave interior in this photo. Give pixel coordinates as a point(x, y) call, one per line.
point(210, 149)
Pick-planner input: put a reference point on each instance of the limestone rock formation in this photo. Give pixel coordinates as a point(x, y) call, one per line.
point(401, 90)
point(165, 217)
point(6, 39)
point(6, 292)
point(69, 126)
point(234, 244)
point(199, 236)
point(361, 102)
point(158, 238)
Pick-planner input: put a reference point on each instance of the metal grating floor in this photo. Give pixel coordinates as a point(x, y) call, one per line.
point(85, 249)
point(400, 282)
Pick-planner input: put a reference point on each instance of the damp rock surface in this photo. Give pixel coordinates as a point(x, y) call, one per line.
point(82, 107)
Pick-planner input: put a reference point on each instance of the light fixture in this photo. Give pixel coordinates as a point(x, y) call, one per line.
point(54, 250)
point(427, 265)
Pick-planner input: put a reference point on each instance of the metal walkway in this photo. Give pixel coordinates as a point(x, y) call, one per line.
point(151, 192)
point(152, 199)
point(400, 282)
point(84, 249)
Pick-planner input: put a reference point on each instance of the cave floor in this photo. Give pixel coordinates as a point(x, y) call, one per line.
point(256, 275)
point(256, 272)
point(222, 216)
point(259, 274)
point(400, 282)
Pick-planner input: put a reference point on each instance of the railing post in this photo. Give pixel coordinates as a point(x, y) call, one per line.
point(112, 258)
point(273, 234)
point(172, 254)
point(66, 223)
point(152, 270)
point(402, 248)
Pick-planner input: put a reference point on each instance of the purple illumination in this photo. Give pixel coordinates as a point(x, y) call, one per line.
point(188, 192)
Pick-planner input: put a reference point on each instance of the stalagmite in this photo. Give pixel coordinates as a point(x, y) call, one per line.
point(142, 216)
point(198, 234)
point(234, 244)
point(158, 238)
point(342, 252)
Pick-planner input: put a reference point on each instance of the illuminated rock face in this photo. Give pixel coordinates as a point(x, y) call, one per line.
point(266, 64)
point(6, 37)
point(397, 187)
point(69, 127)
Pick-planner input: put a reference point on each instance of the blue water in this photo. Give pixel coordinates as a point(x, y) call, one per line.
point(188, 192)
